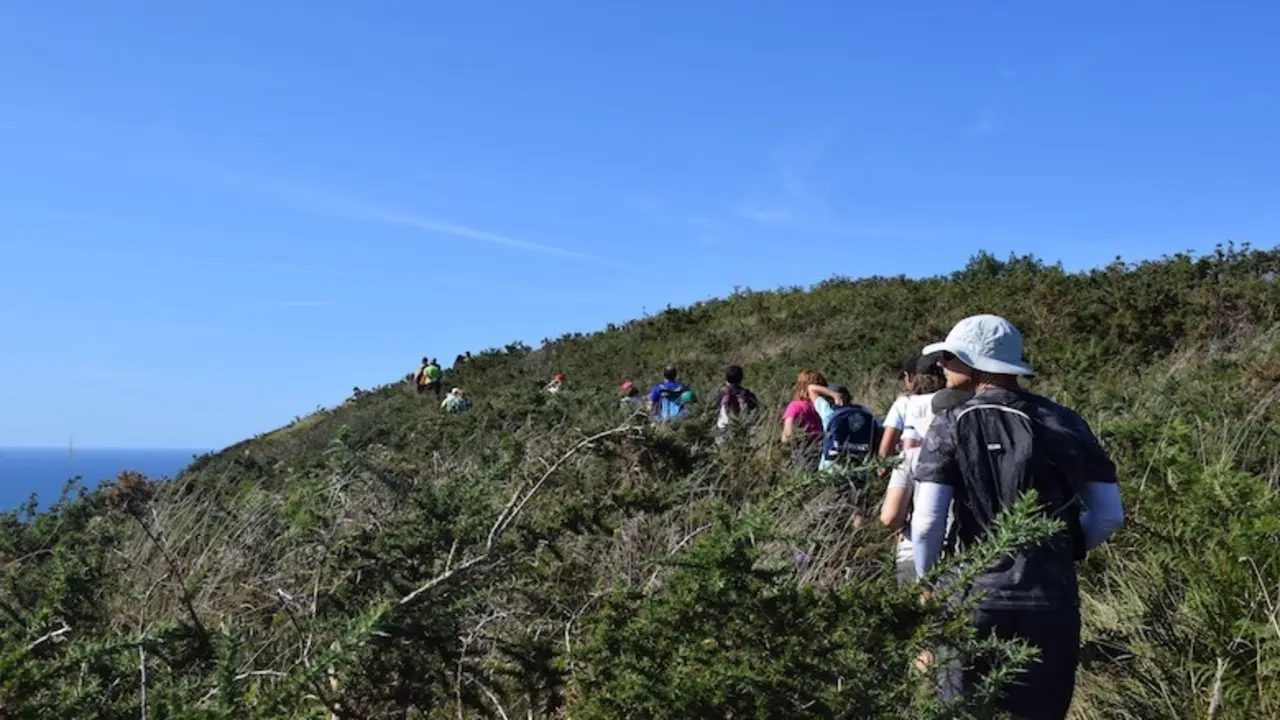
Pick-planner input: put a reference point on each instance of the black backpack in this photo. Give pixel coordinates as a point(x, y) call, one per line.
point(1006, 450)
point(851, 435)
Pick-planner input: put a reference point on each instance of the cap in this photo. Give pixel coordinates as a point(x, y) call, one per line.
point(911, 364)
point(928, 364)
point(987, 343)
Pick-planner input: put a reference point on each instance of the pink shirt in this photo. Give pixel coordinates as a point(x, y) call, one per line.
point(805, 416)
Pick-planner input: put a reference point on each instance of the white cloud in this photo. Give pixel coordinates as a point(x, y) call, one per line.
point(349, 208)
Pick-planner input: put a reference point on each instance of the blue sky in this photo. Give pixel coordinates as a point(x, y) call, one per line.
point(217, 216)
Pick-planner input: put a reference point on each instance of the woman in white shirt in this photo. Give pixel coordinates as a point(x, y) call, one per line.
point(921, 377)
point(900, 496)
point(908, 419)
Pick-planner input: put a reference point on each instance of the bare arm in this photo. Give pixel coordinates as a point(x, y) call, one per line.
point(834, 397)
point(893, 513)
point(890, 441)
point(788, 427)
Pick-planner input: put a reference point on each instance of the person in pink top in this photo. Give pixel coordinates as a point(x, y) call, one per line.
point(801, 416)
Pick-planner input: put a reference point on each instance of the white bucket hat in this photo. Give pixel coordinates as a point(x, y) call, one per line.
point(987, 343)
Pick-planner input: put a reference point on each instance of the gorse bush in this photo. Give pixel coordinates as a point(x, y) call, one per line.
point(558, 556)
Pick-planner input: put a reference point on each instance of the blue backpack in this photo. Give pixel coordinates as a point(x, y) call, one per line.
point(670, 406)
point(850, 437)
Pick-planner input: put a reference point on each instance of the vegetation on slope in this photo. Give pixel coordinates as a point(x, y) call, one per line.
point(553, 556)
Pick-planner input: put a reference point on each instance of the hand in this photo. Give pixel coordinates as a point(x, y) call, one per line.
point(924, 660)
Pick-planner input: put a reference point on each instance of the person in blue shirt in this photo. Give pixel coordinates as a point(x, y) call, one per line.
point(665, 398)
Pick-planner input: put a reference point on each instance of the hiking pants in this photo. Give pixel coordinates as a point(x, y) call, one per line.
point(1043, 690)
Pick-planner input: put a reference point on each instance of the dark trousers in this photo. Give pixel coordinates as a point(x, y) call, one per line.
point(1043, 690)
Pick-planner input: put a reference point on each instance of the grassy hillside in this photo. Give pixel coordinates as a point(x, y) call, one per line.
point(553, 556)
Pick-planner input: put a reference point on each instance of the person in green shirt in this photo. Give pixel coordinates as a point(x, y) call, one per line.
point(428, 377)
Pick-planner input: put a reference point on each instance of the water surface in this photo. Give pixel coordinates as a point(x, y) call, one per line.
point(44, 471)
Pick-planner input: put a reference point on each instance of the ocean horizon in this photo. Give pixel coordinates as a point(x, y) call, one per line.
point(44, 471)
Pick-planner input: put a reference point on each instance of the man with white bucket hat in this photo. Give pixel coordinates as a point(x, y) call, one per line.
point(978, 458)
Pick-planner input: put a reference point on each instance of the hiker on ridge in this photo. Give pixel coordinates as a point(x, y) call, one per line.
point(732, 399)
point(665, 401)
point(456, 402)
point(977, 459)
point(428, 377)
point(557, 384)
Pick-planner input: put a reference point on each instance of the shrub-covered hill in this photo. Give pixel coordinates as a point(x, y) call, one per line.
point(554, 556)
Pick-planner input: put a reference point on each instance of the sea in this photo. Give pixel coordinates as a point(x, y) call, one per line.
point(44, 471)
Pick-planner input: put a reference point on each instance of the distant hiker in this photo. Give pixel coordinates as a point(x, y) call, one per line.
point(456, 402)
point(895, 512)
point(978, 458)
point(806, 446)
point(457, 362)
point(557, 384)
point(630, 395)
point(733, 400)
point(419, 375)
point(428, 377)
point(909, 415)
point(665, 402)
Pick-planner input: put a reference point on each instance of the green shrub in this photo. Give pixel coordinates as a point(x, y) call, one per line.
point(549, 556)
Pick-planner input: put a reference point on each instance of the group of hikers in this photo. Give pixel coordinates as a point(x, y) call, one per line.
point(430, 379)
point(971, 441)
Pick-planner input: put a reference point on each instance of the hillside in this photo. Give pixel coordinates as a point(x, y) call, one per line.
point(551, 556)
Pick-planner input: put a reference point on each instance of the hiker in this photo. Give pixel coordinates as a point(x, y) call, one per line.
point(456, 402)
point(630, 395)
point(428, 377)
point(732, 399)
point(921, 377)
point(557, 384)
point(978, 458)
point(848, 429)
point(665, 398)
point(806, 449)
point(895, 511)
